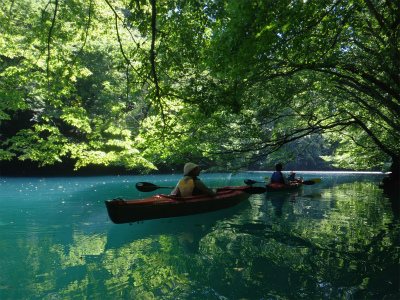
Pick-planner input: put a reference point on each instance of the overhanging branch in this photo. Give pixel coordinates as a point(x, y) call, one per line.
point(53, 22)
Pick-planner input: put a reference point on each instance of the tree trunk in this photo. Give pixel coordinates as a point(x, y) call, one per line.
point(391, 184)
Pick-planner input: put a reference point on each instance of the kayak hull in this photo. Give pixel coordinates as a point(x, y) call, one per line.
point(280, 187)
point(167, 206)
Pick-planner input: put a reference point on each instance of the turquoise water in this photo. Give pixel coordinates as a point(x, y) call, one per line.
point(338, 239)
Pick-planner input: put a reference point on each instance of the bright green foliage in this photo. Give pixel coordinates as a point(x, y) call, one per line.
point(314, 68)
point(62, 63)
point(147, 83)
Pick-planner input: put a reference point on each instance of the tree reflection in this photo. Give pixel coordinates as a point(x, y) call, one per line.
point(340, 244)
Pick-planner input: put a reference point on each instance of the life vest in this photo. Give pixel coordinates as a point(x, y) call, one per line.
point(277, 177)
point(186, 187)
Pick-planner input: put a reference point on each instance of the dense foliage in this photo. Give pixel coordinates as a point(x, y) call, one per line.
point(147, 83)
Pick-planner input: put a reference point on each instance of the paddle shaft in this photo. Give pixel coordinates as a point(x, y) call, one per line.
point(149, 187)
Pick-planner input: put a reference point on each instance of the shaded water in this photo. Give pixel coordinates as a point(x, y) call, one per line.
point(338, 239)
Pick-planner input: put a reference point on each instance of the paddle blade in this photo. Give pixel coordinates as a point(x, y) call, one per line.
point(250, 182)
point(309, 182)
point(146, 187)
point(316, 180)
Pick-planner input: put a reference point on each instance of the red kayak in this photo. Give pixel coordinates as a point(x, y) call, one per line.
point(166, 206)
point(280, 187)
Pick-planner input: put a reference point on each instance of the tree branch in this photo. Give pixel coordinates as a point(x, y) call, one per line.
point(119, 38)
point(373, 136)
point(153, 55)
point(53, 22)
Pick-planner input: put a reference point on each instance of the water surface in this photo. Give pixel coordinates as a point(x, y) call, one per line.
point(338, 239)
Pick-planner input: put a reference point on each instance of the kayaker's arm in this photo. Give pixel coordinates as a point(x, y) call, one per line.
point(202, 187)
point(176, 192)
point(285, 180)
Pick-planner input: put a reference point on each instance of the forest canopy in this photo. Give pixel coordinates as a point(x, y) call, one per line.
point(145, 84)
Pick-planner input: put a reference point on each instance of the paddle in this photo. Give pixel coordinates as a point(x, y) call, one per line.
point(306, 182)
point(312, 181)
point(316, 180)
point(149, 187)
point(250, 182)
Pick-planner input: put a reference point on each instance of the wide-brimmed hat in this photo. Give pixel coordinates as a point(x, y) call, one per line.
point(291, 173)
point(189, 167)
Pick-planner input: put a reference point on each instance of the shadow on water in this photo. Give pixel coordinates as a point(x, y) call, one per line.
point(189, 230)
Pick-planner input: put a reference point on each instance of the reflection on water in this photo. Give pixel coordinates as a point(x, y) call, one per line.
point(337, 239)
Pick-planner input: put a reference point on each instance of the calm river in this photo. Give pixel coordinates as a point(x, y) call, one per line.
point(338, 239)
